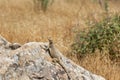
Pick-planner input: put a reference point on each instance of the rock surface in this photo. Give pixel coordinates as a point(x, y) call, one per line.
point(31, 62)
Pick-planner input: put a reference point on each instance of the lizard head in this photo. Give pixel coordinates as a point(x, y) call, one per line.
point(50, 42)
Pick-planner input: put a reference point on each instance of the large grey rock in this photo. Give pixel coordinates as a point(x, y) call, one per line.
point(31, 62)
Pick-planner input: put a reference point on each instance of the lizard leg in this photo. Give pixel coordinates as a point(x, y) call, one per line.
point(55, 60)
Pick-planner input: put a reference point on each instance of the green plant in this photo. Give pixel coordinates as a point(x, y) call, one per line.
point(43, 4)
point(103, 4)
point(104, 35)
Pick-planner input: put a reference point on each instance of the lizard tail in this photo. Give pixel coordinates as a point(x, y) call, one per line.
point(62, 65)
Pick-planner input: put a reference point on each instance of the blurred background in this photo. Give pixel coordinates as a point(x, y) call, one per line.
point(25, 21)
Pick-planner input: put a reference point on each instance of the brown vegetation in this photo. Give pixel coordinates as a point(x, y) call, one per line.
point(19, 23)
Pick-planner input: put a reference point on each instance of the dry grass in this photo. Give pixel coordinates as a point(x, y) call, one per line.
point(19, 23)
point(101, 65)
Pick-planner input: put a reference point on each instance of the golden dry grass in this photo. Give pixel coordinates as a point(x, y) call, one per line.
point(19, 23)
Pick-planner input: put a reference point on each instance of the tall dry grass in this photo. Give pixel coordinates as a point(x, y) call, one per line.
point(19, 23)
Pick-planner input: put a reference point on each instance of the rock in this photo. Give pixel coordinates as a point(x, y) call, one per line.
point(8, 45)
point(3, 41)
point(32, 62)
point(14, 46)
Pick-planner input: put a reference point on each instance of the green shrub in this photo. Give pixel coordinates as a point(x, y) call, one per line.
point(104, 35)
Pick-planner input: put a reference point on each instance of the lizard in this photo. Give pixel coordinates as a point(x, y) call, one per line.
point(56, 56)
